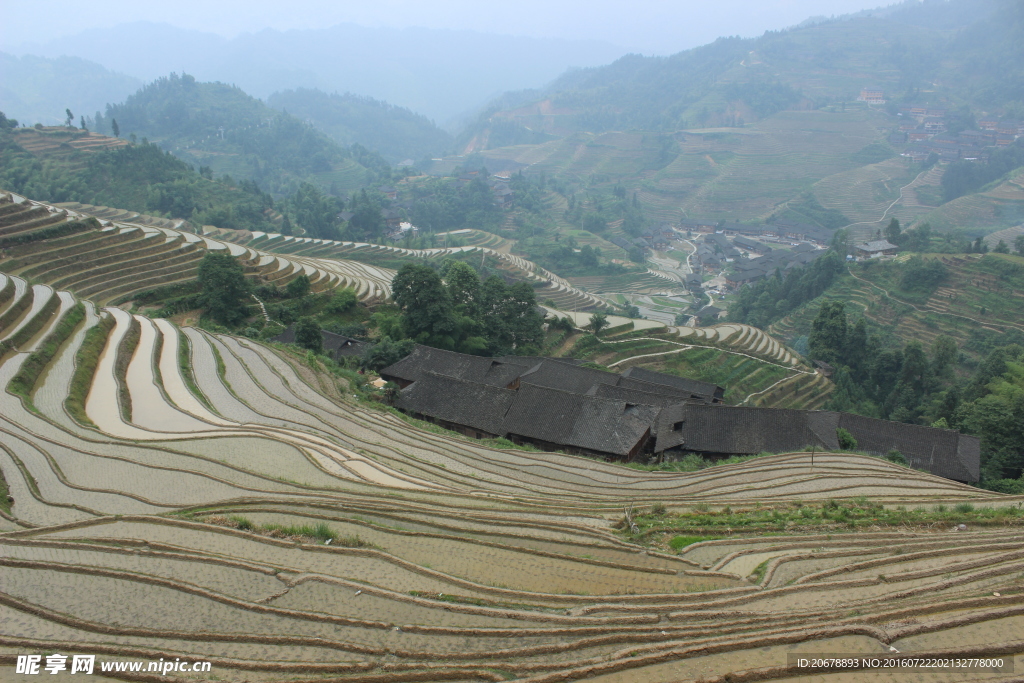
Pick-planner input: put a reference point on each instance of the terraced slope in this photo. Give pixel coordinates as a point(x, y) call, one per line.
point(132, 253)
point(323, 253)
point(973, 299)
point(724, 173)
point(289, 532)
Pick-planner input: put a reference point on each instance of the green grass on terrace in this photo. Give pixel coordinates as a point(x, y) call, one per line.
point(676, 530)
point(739, 374)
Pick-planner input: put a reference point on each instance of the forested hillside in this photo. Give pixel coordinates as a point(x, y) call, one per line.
point(70, 165)
point(394, 132)
point(38, 90)
point(955, 52)
point(218, 126)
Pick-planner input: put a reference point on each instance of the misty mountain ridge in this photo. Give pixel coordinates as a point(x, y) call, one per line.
point(441, 74)
point(38, 89)
point(220, 127)
point(396, 133)
point(943, 53)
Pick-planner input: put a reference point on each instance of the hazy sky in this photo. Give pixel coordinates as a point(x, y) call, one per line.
point(647, 26)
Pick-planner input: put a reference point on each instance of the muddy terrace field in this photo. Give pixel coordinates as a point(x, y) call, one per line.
point(207, 497)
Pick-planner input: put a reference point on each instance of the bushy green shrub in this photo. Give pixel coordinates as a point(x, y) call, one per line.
point(846, 440)
point(343, 301)
point(895, 456)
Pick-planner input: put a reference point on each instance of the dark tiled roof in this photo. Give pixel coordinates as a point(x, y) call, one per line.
point(685, 384)
point(588, 422)
point(543, 413)
point(530, 361)
point(633, 395)
point(944, 452)
point(660, 389)
point(721, 429)
point(557, 375)
point(612, 426)
point(335, 344)
point(489, 371)
point(740, 241)
point(452, 400)
point(746, 276)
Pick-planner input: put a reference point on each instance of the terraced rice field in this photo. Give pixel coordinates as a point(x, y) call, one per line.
point(756, 368)
point(728, 173)
point(131, 253)
point(272, 524)
point(954, 309)
point(328, 254)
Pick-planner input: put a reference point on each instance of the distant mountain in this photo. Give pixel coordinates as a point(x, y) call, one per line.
point(441, 74)
point(38, 90)
point(394, 132)
point(221, 127)
point(941, 53)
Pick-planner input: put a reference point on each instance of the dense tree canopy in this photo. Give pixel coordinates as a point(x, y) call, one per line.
point(452, 309)
point(915, 384)
point(963, 177)
point(764, 302)
point(224, 287)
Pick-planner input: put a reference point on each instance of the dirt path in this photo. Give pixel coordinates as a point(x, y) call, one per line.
point(894, 202)
point(769, 388)
point(692, 346)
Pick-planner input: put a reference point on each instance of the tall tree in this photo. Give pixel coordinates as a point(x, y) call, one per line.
point(598, 321)
point(297, 288)
point(427, 306)
point(224, 287)
point(856, 349)
point(892, 231)
point(307, 335)
point(114, 128)
point(828, 332)
point(944, 353)
point(463, 284)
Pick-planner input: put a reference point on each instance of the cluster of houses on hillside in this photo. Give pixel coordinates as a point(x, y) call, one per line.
point(658, 237)
point(559, 404)
point(781, 228)
point(925, 132)
point(717, 252)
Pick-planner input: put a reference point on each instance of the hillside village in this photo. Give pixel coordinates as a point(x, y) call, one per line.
point(682, 368)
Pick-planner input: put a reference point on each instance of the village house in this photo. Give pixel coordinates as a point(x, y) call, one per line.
point(875, 249)
point(551, 403)
point(740, 278)
point(336, 346)
point(872, 95)
point(557, 404)
point(717, 431)
point(745, 229)
point(751, 245)
point(701, 226)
